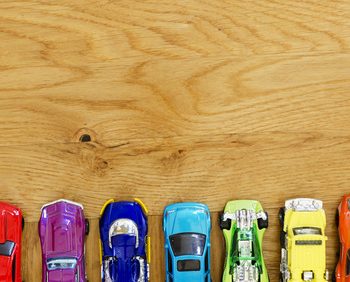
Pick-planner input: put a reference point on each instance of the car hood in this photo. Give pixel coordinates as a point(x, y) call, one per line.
point(316, 254)
point(181, 218)
point(9, 216)
point(129, 210)
point(62, 230)
point(62, 275)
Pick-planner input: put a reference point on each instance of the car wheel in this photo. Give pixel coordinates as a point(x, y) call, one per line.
point(87, 227)
point(281, 214)
point(333, 277)
point(337, 218)
point(263, 223)
point(283, 239)
point(23, 223)
point(224, 224)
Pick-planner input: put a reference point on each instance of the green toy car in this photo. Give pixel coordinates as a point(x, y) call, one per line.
point(244, 223)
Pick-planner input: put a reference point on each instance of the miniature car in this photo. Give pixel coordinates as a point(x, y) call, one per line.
point(187, 242)
point(62, 230)
point(342, 271)
point(303, 241)
point(244, 223)
point(125, 244)
point(11, 225)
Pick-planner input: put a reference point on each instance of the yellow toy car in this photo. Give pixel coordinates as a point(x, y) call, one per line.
point(303, 241)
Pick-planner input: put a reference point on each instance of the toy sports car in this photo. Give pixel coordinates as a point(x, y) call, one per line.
point(303, 241)
point(187, 242)
point(342, 271)
point(11, 225)
point(244, 223)
point(62, 230)
point(125, 244)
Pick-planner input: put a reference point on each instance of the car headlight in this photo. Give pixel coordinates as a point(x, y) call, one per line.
point(308, 275)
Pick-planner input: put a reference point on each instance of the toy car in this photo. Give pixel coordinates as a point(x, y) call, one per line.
point(62, 230)
point(187, 242)
point(11, 225)
point(244, 223)
point(342, 271)
point(125, 244)
point(303, 241)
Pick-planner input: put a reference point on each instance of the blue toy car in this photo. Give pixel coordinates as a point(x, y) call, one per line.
point(125, 244)
point(187, 242)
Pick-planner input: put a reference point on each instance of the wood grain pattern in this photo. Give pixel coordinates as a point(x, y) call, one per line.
point(211, 169)
point(207, 100)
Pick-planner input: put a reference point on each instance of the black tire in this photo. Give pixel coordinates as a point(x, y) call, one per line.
point(281, 214)
point(263, 223)
point(23, 223)
point(283, 239)
point(224, 224)
point(337, 218)
point(333, 277)
point(87, 227)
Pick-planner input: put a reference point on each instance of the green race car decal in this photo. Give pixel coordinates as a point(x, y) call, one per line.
point(244, 223)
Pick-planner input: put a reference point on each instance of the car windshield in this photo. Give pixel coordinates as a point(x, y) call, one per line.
point(307, 231)
point(61, 263)
point(184, 244)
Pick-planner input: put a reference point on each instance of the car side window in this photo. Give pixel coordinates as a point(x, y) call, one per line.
point(348, 263)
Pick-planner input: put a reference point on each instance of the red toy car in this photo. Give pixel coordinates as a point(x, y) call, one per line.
point(11, 225)
point(342, 271)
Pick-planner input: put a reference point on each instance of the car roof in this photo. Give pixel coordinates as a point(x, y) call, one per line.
point(187, 218)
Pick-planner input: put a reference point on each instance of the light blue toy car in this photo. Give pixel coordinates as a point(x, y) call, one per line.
point(187, 242)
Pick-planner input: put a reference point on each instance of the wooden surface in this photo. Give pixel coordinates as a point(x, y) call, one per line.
point(184, 100)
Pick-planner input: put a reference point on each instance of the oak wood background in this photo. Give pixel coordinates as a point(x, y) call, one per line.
point(190, 100)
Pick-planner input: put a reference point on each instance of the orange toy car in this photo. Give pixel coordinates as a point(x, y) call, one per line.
point(342, 271)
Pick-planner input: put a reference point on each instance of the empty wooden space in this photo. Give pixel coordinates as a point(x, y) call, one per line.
point(183, 101)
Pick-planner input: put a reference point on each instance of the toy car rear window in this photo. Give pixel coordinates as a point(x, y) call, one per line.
point(184, 244)
point(307, 231)
point(6, 249)
point(188, 265)
point(61, 263)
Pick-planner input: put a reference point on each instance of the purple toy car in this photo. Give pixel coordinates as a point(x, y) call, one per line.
point(62, 230)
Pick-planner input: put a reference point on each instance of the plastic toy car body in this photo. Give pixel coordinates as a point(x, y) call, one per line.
point(303, 241)
point(244, 223)
point(11, 225)
point(125, 244)
point(62, 230)
point(342, 271)
point(187, 242)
